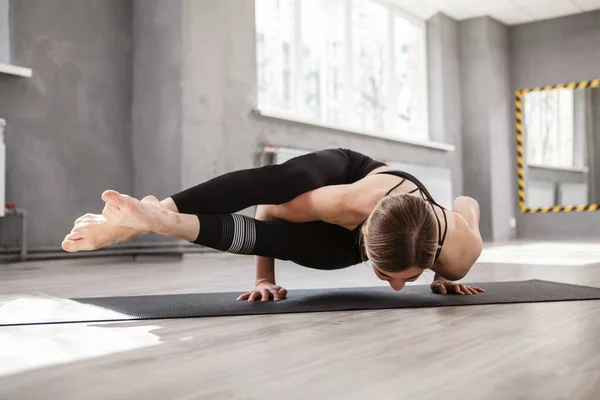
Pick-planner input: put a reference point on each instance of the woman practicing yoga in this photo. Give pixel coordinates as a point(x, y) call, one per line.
point(326, 210)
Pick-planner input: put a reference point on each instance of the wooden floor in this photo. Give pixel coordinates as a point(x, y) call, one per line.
point(519, 351)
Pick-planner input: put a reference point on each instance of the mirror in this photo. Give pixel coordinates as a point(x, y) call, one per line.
point(558, 147)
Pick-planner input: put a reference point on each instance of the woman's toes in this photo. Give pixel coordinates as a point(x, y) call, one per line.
point(74, 236)
point(110, 196)
point(116, 199)
point(150, 199)
point(69, 246)
point(127, 211)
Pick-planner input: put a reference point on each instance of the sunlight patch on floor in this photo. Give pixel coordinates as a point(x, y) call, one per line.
point(30, 347)
point(543, 253)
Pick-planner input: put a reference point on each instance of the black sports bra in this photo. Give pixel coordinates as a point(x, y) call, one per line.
point(427, 197)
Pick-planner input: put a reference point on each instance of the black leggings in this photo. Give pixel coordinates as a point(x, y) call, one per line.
point(313, 244)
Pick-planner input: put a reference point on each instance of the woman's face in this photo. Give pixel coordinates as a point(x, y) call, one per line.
point(397, 280)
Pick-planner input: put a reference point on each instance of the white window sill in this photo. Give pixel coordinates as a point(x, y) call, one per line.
point(555, 168)
point(14, 70)
point(299, 120)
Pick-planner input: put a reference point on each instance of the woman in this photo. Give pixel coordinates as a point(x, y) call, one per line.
point(327, 210)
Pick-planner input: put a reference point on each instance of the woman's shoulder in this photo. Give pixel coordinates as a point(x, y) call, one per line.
point(462, 247)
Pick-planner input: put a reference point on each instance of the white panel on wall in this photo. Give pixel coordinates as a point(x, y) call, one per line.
point(283, 154)
point(539, 193)
point(438, 181)
point(572, 194)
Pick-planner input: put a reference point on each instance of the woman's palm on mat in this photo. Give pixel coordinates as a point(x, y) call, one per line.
point(449, 287)
point(265, 291)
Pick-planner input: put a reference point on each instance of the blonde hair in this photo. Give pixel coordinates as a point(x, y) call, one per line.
point(401, 233)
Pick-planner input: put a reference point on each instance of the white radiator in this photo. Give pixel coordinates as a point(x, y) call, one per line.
point(540, 193)
point(2, 168)
point(573, 193)
point(283, 154)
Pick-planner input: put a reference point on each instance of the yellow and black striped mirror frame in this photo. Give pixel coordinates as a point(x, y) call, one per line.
point(520, 156)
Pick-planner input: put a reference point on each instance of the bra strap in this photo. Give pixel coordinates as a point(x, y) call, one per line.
point(392, 189)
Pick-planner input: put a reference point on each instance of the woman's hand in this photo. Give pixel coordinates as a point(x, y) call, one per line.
point(448, 287)
point(264, 290)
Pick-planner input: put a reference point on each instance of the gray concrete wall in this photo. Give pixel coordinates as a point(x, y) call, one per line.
point(68, 127)
point(445, 111)
point(4, 32)
point(157, 98)
point(475, 69)
point(485, 78)
point(550, 52)
point(156, 133)
point(502, 139)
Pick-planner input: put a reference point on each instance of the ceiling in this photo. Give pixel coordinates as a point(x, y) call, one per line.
point(510, 12)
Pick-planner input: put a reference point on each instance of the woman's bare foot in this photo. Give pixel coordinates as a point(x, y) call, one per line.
point(145, 215)
point(93, 231)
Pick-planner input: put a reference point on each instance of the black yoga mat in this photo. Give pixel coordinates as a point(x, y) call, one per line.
point(193, 305)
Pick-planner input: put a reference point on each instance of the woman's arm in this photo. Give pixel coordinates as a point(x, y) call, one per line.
point(265, 266)
point(465, 244)
point(344, 205)
point(328, 204)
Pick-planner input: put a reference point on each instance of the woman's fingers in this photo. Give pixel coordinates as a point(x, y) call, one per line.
point(439, 287)
point(282, 292)
point(275, 294)
point(465, 289)
point(456, 288)
point(470, 289)
point(254, 295)
point(265, 295)
point(278, 293)
point(442, 289)
point(245, 296)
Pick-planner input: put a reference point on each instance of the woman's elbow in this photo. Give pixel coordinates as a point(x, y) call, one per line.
point(466, 200)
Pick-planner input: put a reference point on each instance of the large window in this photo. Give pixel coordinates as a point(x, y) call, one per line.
point(352, 64)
